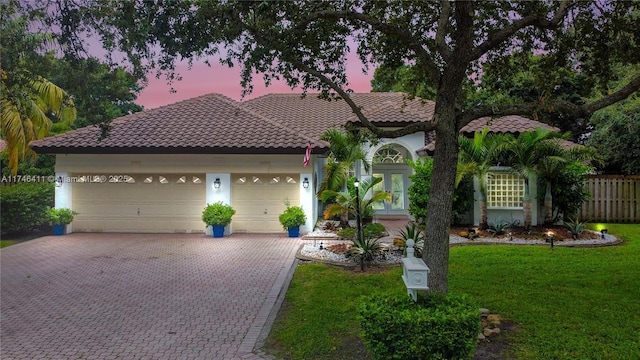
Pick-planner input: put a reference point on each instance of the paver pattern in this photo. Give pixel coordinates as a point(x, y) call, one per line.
point(140, 296)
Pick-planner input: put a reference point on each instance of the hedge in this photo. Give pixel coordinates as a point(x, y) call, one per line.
point(24, 205)
point(436, 327)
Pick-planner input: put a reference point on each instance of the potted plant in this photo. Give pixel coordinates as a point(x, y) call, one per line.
point(59, 219)
point(217, 215)
point(292, 218)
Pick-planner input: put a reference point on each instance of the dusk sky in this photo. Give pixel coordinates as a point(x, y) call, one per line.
point(201, 79)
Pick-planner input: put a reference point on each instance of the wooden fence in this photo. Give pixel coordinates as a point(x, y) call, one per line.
point(614, 198)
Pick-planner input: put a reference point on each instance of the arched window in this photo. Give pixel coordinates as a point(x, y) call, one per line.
point(390, 154)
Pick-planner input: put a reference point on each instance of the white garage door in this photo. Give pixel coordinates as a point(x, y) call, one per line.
point(260, 199)
point(139, 203)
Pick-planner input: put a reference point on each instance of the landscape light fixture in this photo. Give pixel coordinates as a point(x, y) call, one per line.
point(305, 183)
point(604, 232)
point(216, 183)
point(550, 238)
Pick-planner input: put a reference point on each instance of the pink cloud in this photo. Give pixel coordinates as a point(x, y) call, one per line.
point(202, 79)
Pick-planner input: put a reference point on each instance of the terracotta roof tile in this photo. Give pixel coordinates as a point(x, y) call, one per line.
point(206, 124)
point(506, 124)
point(274, 123)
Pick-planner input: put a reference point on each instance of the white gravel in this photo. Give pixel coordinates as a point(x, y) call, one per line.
point(312, 250)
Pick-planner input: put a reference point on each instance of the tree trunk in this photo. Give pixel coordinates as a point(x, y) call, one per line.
point(483, 213)
point(526, 204)
point(548, 205)
point(445, 156)
point(436, 247)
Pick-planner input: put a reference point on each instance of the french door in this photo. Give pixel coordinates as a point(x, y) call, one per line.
point(395, 182)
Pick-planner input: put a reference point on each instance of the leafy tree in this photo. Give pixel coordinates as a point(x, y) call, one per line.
point(418, 192)
point(403, 78)
point(306, 43)
point(100, 93)
point(616, 132)
point(27, 99)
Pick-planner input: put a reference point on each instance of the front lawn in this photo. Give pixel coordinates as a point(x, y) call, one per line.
point(5, 243)
point(569, 303)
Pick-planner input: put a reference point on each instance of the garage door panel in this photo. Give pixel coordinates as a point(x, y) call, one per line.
point(140, 206)
point(259, 204)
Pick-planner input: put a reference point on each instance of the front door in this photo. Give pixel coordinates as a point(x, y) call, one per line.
point(394, 181)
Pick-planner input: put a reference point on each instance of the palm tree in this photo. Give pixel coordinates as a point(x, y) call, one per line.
point(27, 100)
point(477, 155)
point(346, 201)
point(560, 157)
point(525, 153)
point(24, 118)
point(345, 149)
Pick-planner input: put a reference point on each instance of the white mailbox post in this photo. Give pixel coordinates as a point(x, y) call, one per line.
point(414, 272)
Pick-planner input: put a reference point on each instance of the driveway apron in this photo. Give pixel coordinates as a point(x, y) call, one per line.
point(140, 296)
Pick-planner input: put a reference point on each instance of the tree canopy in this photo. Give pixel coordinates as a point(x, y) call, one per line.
point(306, 44)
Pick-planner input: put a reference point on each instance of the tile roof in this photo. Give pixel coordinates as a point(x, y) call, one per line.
point(313, 116)
point(270, 124)
point(210, 123)
point(506, 124)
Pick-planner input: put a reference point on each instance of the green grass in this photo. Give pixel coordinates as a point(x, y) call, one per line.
point(5, 243)
point(569, 303)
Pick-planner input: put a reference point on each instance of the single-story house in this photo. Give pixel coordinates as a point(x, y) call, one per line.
point(157, 169)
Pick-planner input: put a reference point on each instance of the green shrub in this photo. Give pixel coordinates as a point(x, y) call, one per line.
point(418, 193)
point(218, 214)
point(62, 216)
point(436, 327)
point(24, 206)
point(349, 233)
point(293, 216)
point(373, 230)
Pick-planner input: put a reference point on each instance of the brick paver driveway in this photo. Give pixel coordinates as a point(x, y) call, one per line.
point(140, 296)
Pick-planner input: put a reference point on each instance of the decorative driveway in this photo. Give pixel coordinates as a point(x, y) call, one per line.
point(140, 296)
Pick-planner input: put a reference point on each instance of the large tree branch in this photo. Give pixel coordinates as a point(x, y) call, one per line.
point(563, 106)
point(267, 41)
point(413, 42)
point(531, 20)
point(409, 129)
point(441, 32)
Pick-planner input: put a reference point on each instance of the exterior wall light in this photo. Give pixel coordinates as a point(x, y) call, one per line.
point(216, 183)
point(305, 183)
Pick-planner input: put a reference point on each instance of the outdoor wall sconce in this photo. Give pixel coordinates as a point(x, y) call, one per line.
point(550, 238)
point(305, 183)
point(216, 183)
point(604, 232)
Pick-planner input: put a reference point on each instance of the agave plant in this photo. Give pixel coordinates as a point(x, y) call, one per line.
point(575, 227)
point(413, 231)
point(498, 227)
point(365, 249)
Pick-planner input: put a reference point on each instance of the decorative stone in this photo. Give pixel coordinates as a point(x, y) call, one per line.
point(494, 319)
point(484, 311)
point(481, 337)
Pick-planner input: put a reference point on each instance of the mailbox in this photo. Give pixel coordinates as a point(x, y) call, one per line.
point(415, 272)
